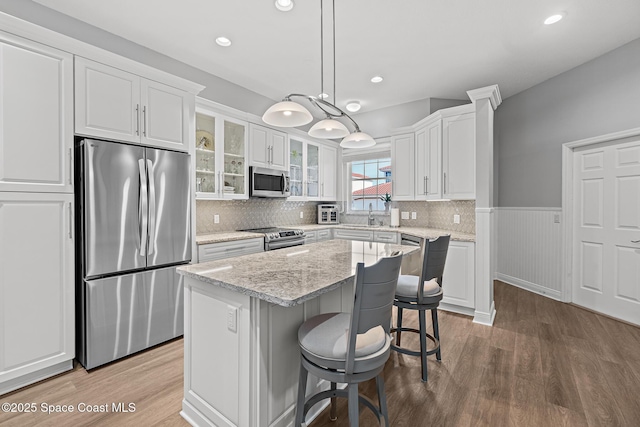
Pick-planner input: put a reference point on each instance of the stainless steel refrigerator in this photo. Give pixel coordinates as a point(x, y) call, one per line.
point(134, 224)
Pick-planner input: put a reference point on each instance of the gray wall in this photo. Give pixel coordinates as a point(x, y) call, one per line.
point(379, 123)
point(217, 89)
point(599, 97)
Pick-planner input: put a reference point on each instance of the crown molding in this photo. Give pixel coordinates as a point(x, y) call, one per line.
point(492, 92)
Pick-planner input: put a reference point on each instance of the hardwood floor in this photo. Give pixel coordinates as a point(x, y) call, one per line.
point(542, 363)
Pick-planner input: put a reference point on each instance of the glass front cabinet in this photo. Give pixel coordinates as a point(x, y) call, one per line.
point(220, 157)
point(304, 165)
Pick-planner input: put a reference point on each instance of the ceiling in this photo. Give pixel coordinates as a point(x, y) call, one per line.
point(422, 48)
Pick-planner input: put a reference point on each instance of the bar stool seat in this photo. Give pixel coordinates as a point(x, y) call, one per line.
point(351, 347)
point(408, 287)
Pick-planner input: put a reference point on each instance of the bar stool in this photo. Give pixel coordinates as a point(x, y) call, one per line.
point(351, 347)
point(423, 293)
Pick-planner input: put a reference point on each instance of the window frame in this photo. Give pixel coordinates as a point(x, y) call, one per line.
point(349, 180)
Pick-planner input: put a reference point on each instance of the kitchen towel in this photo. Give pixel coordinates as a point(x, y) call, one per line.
point(395, 217)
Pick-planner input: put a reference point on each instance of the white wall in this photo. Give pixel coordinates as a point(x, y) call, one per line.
point(598, 97)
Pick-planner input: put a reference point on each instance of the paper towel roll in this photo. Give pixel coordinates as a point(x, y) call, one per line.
point(395, 217)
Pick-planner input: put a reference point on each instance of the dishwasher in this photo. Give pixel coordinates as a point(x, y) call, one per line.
point(412, 264)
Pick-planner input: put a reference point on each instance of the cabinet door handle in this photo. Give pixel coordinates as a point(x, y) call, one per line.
point(323, 189)
point(70, 221)
point(144, 121)
point(70, 166)
point(425, 186)
point(138, 119)
point(635, 241)
point(444, 183)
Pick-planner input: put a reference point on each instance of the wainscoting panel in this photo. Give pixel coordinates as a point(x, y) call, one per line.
point(529, 242)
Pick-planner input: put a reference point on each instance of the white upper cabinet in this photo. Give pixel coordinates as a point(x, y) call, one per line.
point(36, 117)
point(428, 180)
point(220, 156)
point(328, 173)
point(114, 104)
point(403, 166)
point(459, 157)
point(269, 148)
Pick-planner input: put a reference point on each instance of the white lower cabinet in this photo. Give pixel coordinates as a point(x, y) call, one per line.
point(310, 237)
point(364, 235)
point(222, 250)
point(37, 292)
point(254, 381)
point(323, 235)
point(386, 237)
point(458, 282)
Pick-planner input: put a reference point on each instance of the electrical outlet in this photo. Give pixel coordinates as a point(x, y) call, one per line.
point(556, 218)
point(216, 219)
point(301, 214)
point(414, 215)
point(405, 215)
point(232, 318)
point(456, 219)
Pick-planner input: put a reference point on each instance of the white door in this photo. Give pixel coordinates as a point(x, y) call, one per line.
point(279, 150)
point(402, 165)
point(459, 157)
point(37, 325)
point(259, 142)
point(606, 228)
point(165, 116)
point(329, 175)
point(36, 117)
point(107, 102)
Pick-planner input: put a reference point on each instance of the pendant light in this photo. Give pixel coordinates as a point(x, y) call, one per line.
point(288, 113)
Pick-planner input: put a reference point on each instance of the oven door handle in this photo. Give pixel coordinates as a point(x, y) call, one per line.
point(284, 243)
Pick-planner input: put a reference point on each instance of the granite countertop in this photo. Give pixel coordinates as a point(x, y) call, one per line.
point(291, 276)
point(430, 233)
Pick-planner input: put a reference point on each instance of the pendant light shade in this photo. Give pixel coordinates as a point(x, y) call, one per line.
point(358, 140)
point(328, 129)
point(287, 114)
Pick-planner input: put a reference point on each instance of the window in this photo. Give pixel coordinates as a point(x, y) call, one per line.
point(370, 180)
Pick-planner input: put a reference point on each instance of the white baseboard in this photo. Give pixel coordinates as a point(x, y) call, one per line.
point(456, 309)
point(36, 376)
point(551, 293)
point(485, 318)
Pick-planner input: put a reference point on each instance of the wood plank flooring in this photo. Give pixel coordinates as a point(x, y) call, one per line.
point(542, 363)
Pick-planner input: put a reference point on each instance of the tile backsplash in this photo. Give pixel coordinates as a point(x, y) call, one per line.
point(252, 213)
point(258, 213)
point(429, 214)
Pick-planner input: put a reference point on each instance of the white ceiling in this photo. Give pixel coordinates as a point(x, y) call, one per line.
point(423, 48)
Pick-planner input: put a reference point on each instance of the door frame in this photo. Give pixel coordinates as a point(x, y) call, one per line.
point(568, 199)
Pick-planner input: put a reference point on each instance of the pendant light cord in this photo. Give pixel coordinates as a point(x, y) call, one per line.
point(321, 49)
point(333, 9)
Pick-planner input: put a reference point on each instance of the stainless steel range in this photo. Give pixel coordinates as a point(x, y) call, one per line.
point(277, 237)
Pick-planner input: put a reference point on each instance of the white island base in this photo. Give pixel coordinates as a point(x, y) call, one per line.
point(241, 354)
point(247, 377)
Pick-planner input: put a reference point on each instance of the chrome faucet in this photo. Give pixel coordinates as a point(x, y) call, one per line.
point(372, 220)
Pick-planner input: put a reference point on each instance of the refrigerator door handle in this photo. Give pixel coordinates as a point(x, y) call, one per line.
point(142, 208)
point(152, 207)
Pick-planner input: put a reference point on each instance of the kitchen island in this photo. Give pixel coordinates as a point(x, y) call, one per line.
point(241, 320)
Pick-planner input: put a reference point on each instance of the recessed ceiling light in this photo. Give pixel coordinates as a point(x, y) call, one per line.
point(284, 5)
point(376, 79)
point(553, 19)
point(353, 106)
point(223, 41)
point(323, 96)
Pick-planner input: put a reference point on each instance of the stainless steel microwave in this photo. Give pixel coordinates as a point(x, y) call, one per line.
point(265, 182)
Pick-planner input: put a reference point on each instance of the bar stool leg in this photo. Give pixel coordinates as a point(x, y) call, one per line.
point(399, 323)
point(382, 398)
point(302, 385)
point(423, 343)
point(332, 412)
point(353, 405)
point(436, 331)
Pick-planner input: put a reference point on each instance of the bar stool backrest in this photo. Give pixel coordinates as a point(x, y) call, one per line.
point(375, 288)
point(434, 255)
